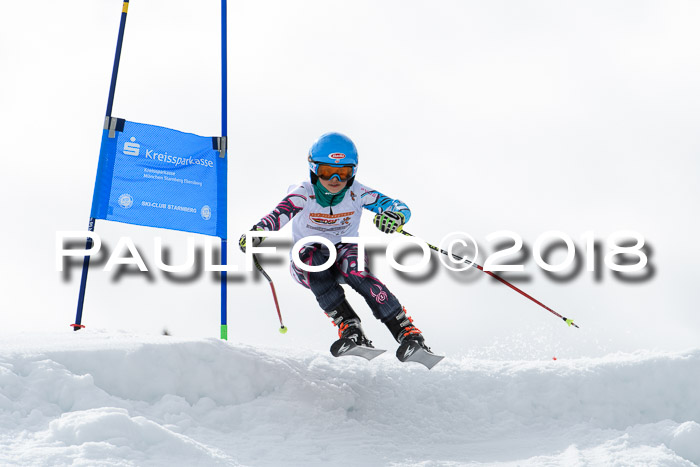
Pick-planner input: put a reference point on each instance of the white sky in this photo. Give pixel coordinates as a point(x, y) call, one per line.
point(481, 116)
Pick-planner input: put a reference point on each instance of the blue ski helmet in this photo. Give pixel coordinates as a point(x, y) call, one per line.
point(333, 149)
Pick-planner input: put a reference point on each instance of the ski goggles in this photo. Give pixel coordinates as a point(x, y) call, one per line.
point(327, 172)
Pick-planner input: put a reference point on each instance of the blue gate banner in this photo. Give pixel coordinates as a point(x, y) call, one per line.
point(158, 177)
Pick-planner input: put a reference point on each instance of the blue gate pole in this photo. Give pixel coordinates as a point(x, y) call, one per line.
point(224, 326)
point(224, 97)
point(91, 225)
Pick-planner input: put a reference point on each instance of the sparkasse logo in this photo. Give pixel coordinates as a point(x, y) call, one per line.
point(131, 148)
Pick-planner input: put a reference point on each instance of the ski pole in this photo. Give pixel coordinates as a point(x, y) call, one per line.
point(283, 328)
point(570, 322)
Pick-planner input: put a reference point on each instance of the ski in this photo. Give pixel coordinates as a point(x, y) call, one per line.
point(412, 351)
point(347, 347)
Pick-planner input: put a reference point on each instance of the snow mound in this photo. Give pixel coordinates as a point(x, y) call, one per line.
point(685, 441)
point(93, 398)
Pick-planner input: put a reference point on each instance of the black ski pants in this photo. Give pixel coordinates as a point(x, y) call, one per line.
point(326, 284)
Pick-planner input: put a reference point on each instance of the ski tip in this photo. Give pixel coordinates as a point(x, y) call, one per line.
point(371, 354)
point(437, 359)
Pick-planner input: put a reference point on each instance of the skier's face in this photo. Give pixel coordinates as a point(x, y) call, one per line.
point(333, 185)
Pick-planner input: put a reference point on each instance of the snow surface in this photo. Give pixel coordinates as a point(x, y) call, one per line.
point(98, 398)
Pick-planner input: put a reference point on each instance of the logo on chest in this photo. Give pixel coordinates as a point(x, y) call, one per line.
point(321, 218)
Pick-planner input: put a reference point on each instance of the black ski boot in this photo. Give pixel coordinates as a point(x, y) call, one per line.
point(352, 339)
point(412, 346)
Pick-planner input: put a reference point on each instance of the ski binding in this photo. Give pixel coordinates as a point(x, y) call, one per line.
point(412, 351)
point(347, 347)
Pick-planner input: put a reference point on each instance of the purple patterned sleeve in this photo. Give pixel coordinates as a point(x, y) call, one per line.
point(289, 207)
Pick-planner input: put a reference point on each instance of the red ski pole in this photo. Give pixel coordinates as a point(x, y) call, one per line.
point(570, 322)
point(283, 328)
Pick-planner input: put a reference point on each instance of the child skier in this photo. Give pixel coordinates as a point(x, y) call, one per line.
point(330, 205)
